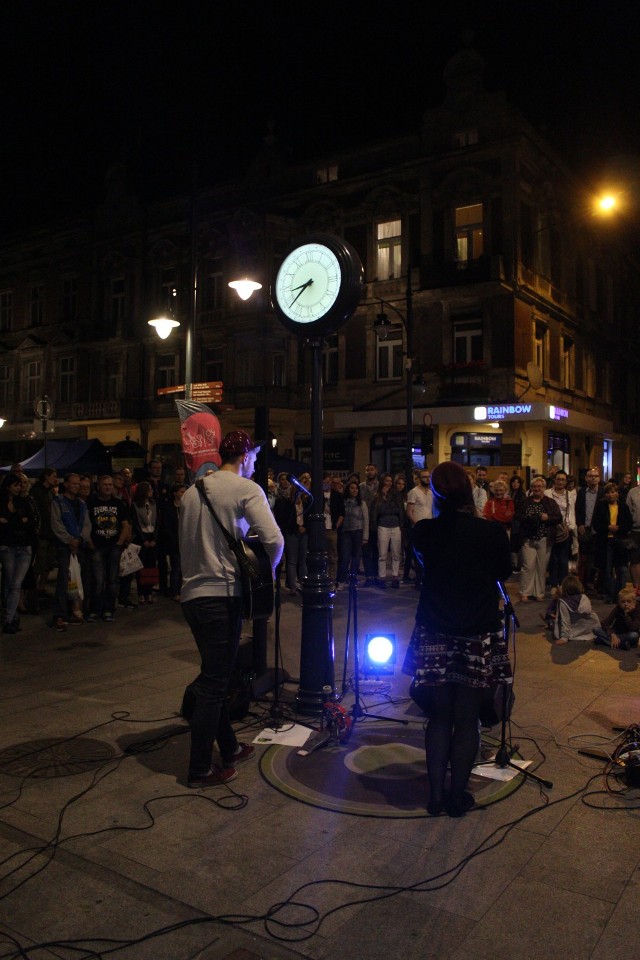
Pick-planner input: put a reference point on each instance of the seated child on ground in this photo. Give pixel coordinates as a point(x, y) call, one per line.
point(622, 627)
point(575, 620)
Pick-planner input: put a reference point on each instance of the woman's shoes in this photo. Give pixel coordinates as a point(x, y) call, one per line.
point(458, 806)
point(524, 598)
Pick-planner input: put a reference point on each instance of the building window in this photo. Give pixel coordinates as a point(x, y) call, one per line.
point(32, 381)
point(67, 379)
point(113, 379)
point(69, 299)
point(327, 174)
point(469, 233)
point(465, 138)
point(540, 334)
point(36, 306)
point(278, 369)
point(389, 249)
point(590, 375)
point(468, 342)
point(568, 352)
point(117, 299)
point(6, 311)
point(330, 359)
point(211, 292)
point(389, 356)
point(214, 364)
point(166, 370)
point(6, 385)
point(168, 289)
point(246, 367)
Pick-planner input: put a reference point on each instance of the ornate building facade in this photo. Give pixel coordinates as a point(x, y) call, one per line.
point(522, 326)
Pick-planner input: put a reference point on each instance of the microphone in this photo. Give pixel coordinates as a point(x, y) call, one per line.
point(300, 487)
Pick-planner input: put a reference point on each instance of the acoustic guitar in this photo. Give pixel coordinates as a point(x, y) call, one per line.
point(257, 580)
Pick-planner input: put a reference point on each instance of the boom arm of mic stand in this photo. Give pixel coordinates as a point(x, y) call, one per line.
point(508, 606)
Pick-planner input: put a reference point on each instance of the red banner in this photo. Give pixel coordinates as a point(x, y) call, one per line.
point(201, 435)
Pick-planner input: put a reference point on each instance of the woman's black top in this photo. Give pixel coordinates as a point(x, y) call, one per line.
point(464, 557)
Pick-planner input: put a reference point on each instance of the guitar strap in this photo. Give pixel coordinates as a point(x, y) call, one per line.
point(234, 546)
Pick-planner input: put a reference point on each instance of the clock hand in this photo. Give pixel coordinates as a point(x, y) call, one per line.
point(300, 289)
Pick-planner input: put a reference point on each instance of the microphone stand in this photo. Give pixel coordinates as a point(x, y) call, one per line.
point(504, 752)
point(357, 711)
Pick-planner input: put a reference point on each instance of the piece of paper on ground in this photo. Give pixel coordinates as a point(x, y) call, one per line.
point(290, 735)
point(494, 772)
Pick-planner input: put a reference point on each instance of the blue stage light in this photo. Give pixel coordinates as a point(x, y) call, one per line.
point(379, 653)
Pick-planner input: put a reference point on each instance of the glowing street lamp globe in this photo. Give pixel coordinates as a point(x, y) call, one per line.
point(163, 326)
point(245, 288)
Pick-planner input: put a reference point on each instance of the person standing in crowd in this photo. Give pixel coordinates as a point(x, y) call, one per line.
point(333, 519)
point(85, 488)
point(72, 529)
point(43, 492)
point(458, 644)
point(480, 489)
point(368, 493)
point(406, 549)
point(28, 602)
point(144, 518)
point(611, 524)
point(211, 599)
point(625, 485)
point(633, 503)
point(18, 533)
point(499, 507)
point(127, 491)
point(386, 518)
point(517, 494)
point(419, 507)
point(586, 499)
point(538, 517)
point(289, 513)
point(353, 533)
point(171, 540)
point(561, 550)
point(109, 532)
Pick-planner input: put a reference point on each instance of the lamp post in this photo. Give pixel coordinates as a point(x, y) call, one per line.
point(381, 326)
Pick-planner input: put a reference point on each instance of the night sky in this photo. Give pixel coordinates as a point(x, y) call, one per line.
point(161, 85)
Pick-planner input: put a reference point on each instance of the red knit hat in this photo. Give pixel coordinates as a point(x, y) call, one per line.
point(236, 444)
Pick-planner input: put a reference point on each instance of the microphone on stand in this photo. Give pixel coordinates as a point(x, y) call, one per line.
point(300, 487)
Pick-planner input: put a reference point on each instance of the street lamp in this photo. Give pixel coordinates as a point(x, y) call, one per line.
point(165, 324)
point(381, 327)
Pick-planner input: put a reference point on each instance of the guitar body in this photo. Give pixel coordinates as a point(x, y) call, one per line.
point(258, 590)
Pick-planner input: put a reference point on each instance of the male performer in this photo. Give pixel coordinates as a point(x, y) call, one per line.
point(211, 599)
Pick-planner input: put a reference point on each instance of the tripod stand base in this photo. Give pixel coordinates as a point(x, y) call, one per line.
point(268, 681)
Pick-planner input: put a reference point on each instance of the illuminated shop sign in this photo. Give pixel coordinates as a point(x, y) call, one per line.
point(501, 410)
point(520, 411)
point(558, 413)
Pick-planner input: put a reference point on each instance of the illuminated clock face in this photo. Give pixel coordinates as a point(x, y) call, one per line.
point(308, 283)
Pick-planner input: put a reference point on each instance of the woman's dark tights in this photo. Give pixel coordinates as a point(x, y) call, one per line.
point(451, 737)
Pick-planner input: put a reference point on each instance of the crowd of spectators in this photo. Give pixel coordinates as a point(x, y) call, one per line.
point(69, 534)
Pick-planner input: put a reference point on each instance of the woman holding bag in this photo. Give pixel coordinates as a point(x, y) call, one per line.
point(538, 517)
point(145, 523)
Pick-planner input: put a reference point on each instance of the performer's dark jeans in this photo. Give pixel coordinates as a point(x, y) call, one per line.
point(215, 623)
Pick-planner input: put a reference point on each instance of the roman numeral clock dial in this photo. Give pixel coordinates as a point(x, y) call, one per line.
point(318, 285)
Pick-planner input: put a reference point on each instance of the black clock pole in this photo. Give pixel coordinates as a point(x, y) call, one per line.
point(316, 648)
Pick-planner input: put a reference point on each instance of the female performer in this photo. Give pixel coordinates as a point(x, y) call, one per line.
point(458, 639)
